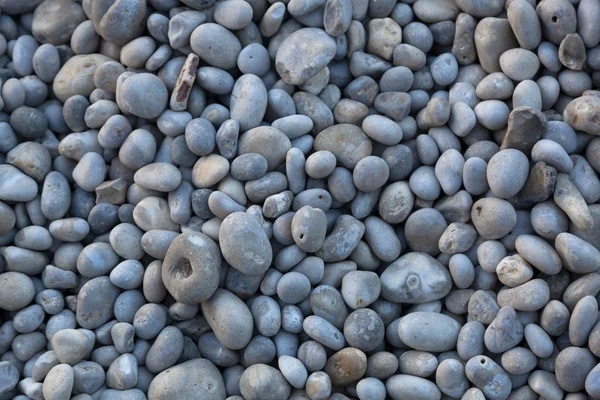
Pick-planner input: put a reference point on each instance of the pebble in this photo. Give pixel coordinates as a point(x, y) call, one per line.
point(95, 302)
point(553, 154)
point(293, 370)
point(194, 377)
point(382, 129)
point(493, 218)
point(519, 64)
point(229, 318)
point(402, 385)
point(342, 240)
point(525, 24)
point(492, 114)
point(572, 366)
point(13, 283)
point(248, 101)
point(255, 256)
point(591, 382)
point(58, 383)
point(488, 376)
point(165, 350)
point(498, 166)
point(358, 144)
point(539, 253)
point(260, 381)
point(443, 338)
point(162, 177)
point(82, 66)
point(558, 19)
point(28, 122)
point(292, 56)
point(580, 114)
point(580, 256)
point(505, 331)
point(269, 142)
point(133, 91)
point(530, 296)
point(10, 376)
point(346, 366)
point(493, 36)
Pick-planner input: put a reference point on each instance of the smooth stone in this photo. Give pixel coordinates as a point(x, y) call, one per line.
point(223, 56)
point(229, 318)
point(261, 381)
point(530, 296)
point(294, 53)
point(576, 254)
point(573, 364)
point(95, 302)
point(413, 330)
point(76, 77)
point(357, 144)
point(191, 268)
point(488, 376)
point(404, 386)
point(244, 244)
point(198, 377)
point(505, 331)
point(581, 114)
point(346, 366)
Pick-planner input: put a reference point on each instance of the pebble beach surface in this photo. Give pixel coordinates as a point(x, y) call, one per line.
point(299, 199)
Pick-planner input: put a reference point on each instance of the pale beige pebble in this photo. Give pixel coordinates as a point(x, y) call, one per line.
point(209, 170)
point(384, 35)
point(58, 384)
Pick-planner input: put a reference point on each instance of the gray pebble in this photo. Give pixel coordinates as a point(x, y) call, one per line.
point(360, 288)
point(443, 338)
point(505, 331)
point(165, 350)
point(572, 365)
point(13, 283)
point(530, 296)
point(471, 340)
point(28, 122)
point(359, 322)
point(344, 237)
point(135, 89)
point(122, 373)
point(493, 218)
point(323, 332)
point(482, 370)
point(234, 327)
point(493, 36)
point(519, 64)
point(295, 48)
point(236, 228)
point(424, 183)
point(538, 253)
point(70, 346)
point(293, 370)
point(45, 62)
point(308, 228)
point(403, 385)
point(260, 381)
point(525, 24)
point(425, 220)
point(95, 302)
point(248, 101)
point(225, 56)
